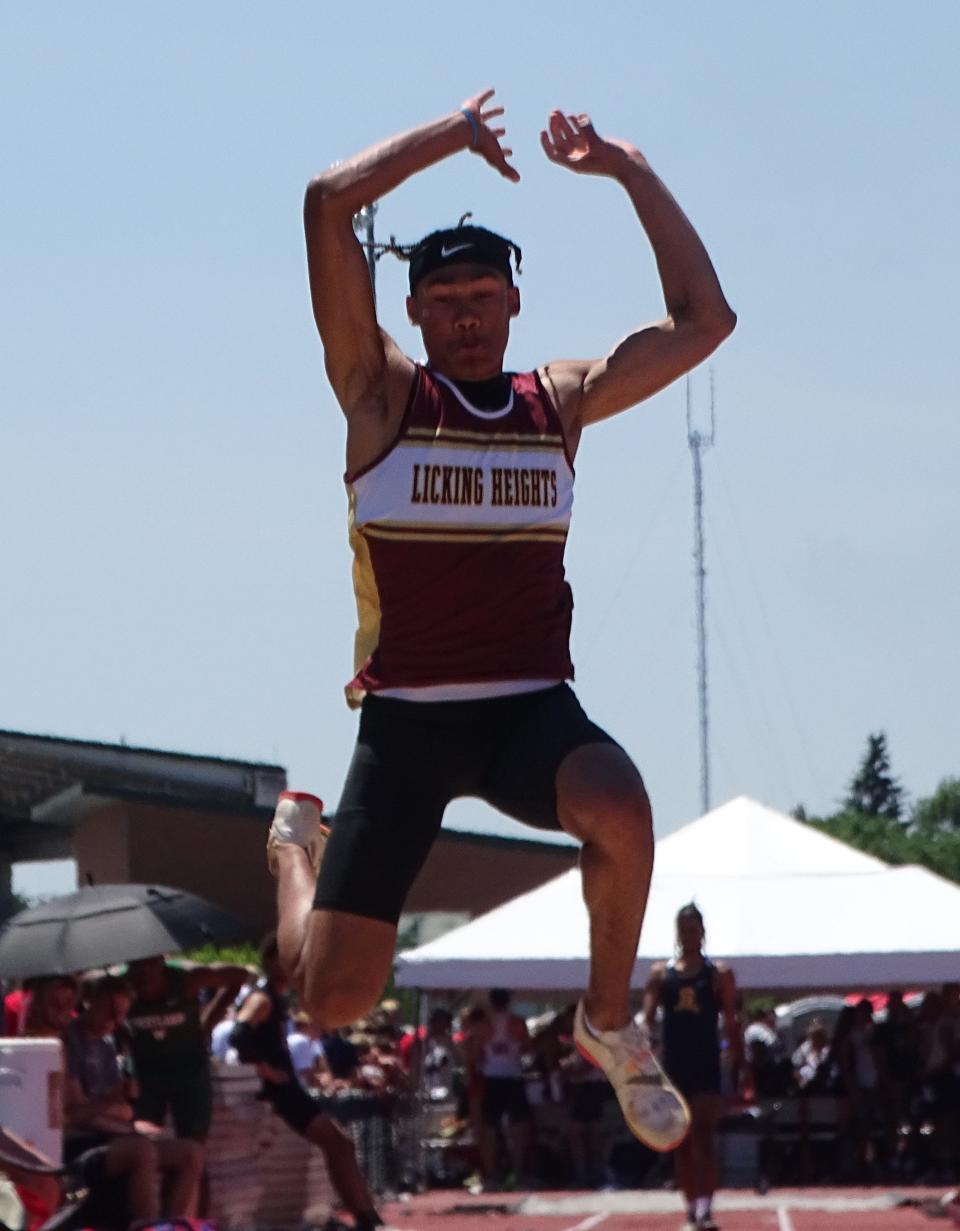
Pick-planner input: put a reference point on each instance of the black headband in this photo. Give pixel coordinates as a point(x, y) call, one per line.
point(462, 244)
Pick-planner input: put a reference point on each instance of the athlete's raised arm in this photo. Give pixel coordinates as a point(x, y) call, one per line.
point(698, 316)
point(364, 366)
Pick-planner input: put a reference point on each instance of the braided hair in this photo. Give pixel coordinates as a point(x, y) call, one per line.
point(439, 248)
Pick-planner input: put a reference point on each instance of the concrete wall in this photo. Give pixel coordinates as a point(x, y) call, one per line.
point(473, 875)
point(222, 857)
point(100, 846)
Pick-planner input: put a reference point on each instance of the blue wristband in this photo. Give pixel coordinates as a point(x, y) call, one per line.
point(474, 126)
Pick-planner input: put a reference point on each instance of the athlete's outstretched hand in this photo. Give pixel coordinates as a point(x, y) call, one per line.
point(488, 139)
point(571, 141)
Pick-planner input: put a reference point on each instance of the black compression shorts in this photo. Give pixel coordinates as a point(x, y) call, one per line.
point(505, 1098)
point(292, 1103)
point(413, 757)
point(695, 1078)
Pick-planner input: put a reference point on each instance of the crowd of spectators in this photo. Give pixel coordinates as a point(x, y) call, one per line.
point(138, 1045)
point(139, 1048)
point(892, 1070)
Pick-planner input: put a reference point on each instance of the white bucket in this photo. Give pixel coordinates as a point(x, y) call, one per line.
point(31, 1093)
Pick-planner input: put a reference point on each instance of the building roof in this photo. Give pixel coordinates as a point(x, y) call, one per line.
point(53, 779)
point(49, 778)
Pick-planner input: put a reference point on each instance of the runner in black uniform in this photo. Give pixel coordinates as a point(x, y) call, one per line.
point(692, 993)
point(260, 1037)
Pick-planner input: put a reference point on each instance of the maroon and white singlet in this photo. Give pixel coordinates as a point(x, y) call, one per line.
point(458, 532)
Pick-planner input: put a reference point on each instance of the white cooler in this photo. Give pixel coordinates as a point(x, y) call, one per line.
point(31, 1092)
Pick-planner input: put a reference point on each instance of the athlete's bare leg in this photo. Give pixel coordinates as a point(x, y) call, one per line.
point(490, 1153)
point(601, 801)
point(519, 1138)
point(184, 1162)
point(337, 962)
point(342, 1166)
point(296, 883)
point(695, 1159)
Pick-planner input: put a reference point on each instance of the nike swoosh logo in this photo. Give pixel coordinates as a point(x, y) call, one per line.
point(445, 251)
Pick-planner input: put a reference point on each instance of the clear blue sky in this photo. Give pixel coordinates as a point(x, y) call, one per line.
point(175, 562)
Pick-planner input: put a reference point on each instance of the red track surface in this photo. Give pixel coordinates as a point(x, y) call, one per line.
point(794, 1210)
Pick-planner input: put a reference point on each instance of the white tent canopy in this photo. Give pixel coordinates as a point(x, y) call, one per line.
point(784, 904)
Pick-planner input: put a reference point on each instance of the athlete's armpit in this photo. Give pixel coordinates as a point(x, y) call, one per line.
point(563, 380)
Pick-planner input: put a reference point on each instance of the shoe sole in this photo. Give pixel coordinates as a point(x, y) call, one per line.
point(658, 1149)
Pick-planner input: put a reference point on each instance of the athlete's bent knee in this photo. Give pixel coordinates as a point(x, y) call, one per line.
point(343, 967)
point(331, 1006)
point(601, 796)
point(618, 818)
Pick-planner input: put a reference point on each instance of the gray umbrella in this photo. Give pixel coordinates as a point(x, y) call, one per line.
point(111, 923)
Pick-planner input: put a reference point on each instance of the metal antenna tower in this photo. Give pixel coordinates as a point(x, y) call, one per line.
point(699, 442)
point(363, 226)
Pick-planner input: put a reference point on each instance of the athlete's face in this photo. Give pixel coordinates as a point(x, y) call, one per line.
point(689, 933)
point(464, 313)
point(58, 1000)
point(148, 976)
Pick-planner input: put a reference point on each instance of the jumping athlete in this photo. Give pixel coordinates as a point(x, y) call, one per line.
point(460, 483)
point(692, 992)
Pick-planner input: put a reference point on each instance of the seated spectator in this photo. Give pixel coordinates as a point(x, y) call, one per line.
point(15, 1004)
point(47, 1012)
point(587, 1092)
point(937, 1102)
point(98, 1112)
point(383, 1051)
point(897, 1052)
point(864, 1087)
point(550, 1037)
point(51, 1008)
point(387, 1014)
point(811, 1054)
point(220, 1048)
point(768, 1070)
point(762, 1028)
point(306, 1053)
point(378, 1070)
point(341, 1056)
point(431, 1056)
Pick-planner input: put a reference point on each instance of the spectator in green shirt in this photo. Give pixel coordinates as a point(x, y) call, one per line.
point(169, 1040)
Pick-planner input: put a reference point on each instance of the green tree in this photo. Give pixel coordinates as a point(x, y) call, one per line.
point(880, 836)
point(940, 813)
point(874, 791)
point(930, 839)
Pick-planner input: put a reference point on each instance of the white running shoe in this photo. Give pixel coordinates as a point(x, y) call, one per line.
point(655, 1111)
point(298, 821)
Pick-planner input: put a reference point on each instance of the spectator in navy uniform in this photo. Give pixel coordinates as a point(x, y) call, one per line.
point(693, 993)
